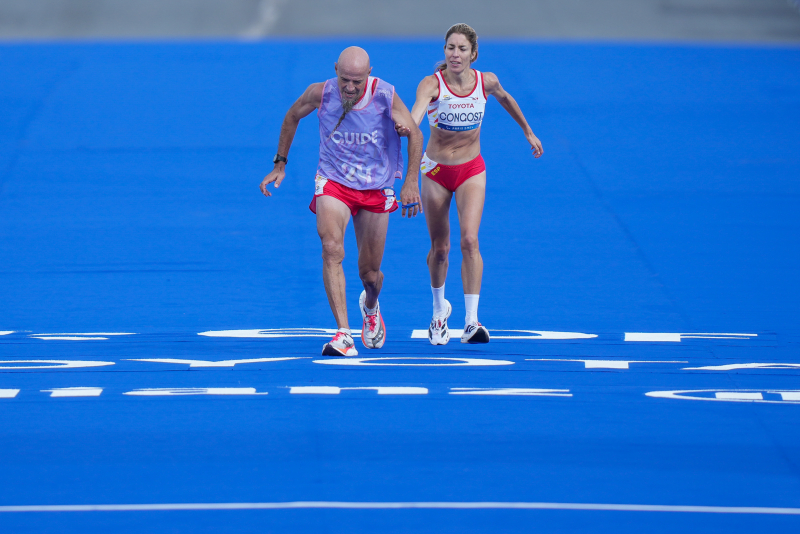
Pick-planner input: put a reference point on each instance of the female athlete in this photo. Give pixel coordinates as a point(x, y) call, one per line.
point(454, 99)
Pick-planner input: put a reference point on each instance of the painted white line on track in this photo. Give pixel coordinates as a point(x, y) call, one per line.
point(601, 364)
point(449, 362)
point(402, 505)
point(6, 332)
point(515, 334)
point(674, 337)
point(53, 364)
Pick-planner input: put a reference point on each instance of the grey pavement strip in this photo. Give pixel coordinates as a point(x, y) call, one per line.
point(638, 20)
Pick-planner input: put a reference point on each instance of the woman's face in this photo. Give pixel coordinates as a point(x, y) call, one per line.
point(458, 53)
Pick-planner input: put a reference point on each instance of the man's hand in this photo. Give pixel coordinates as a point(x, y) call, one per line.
point(277, 175)
point(409, 198)
point(536, 145)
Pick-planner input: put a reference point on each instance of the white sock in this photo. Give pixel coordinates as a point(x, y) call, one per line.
point(371, 311)
point(346, 331)
point(438, 301)
point(471, 303)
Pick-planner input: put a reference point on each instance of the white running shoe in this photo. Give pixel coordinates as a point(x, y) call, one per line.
point(438, 333)
point(475, 333)
point(373, 333)
point(342, 344)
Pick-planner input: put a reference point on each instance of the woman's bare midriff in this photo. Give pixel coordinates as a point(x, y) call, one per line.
point(453, 148)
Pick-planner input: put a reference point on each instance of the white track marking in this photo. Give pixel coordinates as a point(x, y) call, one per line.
point(55, 364)
point(205, 363)
point(523, 334)
point(529, 392)
point(382, 361)
point(676, 337)
point(8, 393)
point(735, 366)
point(6, 332)
point(600, 364)
point(158, 392)
point(333, 390)
point(74, 392)
point(730, 395)
point(303, 505)
point(275, 333)
point(87, 336)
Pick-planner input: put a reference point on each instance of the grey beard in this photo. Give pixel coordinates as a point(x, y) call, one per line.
point(347, 106)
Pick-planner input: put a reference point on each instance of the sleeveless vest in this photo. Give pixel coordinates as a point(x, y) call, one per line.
point(364, 151)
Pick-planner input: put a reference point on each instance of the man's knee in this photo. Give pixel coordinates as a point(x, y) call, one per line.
point(371, 277)
point(469, 245)
point(332, 250)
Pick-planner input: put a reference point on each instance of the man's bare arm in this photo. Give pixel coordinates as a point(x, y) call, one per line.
point(307, 103)
point(409, 194)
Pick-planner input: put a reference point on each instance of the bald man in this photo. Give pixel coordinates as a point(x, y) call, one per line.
point(359, 160)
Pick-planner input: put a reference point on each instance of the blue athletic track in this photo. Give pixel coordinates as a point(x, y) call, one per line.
point(162, 321)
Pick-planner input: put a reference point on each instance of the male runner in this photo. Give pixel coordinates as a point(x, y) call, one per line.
point(359, 159)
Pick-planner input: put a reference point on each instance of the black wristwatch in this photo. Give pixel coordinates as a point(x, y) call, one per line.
point(278, 158)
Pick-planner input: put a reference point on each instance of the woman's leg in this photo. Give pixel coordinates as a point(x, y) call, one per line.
point(469, 200)
point(436, 201)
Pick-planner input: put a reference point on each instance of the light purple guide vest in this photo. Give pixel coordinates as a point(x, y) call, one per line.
point(364, 152)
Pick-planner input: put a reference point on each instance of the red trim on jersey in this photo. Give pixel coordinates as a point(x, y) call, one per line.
point(466, 95)
point(372, 92)
point(483, 86)
point(438, 87)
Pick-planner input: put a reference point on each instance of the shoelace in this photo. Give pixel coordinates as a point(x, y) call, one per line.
point(372, 322)
point(337, 337)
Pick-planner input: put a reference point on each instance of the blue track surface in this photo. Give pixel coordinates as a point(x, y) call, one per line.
point(665, 203)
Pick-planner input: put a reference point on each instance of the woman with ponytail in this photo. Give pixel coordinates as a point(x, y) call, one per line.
point(454, 100)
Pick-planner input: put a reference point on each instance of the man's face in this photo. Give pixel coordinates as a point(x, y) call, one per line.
point(352, 82)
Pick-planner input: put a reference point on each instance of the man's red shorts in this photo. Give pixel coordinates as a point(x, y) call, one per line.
point(451, 176)
point(374, 200)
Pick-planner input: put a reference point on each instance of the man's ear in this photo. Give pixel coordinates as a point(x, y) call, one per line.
point(336, 67)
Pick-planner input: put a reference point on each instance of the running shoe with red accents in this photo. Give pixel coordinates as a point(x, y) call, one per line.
point(438, 333)
point(373, 333)
point(342, 344)
point(475, 333)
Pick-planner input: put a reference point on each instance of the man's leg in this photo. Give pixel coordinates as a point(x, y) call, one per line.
point(371, 239)
point(332, 218)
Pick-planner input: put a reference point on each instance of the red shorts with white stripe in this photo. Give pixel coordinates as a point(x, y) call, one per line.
point(451, 176)
point(374, 200)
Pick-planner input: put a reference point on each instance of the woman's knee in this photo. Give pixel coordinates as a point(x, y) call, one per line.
point(469, 245)
point(440, 250)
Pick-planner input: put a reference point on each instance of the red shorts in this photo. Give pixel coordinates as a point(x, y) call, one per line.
point(451, 176)
point(374, 200)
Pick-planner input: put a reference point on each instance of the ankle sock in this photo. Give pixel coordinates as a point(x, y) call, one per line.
point(439, 306)
point(471, 303)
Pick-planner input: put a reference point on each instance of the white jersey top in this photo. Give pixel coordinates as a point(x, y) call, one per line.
point(457, 113)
